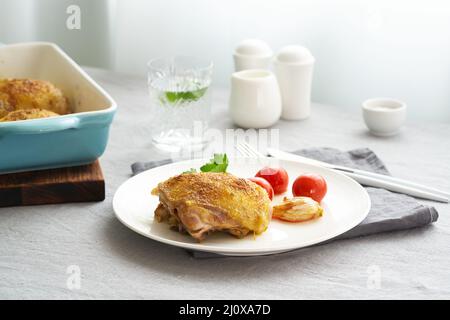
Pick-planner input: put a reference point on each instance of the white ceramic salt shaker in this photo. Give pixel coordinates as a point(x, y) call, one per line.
point(294, 71)
point(252, 54)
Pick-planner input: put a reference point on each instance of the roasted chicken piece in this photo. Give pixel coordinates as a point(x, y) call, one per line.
point(27, 115)
point(24, 94)
point(200, 203)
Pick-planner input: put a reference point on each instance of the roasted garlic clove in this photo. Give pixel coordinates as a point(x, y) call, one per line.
point(297, 209)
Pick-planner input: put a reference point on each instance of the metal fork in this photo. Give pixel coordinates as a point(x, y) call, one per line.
point(247, 150)
point(364, 178)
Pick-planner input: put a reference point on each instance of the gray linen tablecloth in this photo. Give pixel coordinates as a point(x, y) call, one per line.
point(389, 211)
point(42, 247)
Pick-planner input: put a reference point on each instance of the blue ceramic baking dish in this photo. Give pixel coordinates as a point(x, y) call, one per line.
point(69, 140)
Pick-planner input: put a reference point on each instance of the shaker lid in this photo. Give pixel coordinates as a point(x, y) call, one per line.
point(294, 54)
point(253, 47)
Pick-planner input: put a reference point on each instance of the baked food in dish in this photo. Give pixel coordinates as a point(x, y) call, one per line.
point(200, 203)
point(25, 94)
point(28, 114)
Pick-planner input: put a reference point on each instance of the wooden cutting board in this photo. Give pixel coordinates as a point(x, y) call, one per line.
point(73, 184)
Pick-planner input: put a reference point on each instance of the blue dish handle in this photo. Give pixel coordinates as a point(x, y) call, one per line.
point(38, 126)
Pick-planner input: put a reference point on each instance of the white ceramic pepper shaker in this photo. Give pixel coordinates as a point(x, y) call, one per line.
point(294, 70)
point(252, 54)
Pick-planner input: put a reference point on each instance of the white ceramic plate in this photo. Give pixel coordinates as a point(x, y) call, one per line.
point(345, 206)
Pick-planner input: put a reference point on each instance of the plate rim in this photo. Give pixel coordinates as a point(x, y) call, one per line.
point(241, 252)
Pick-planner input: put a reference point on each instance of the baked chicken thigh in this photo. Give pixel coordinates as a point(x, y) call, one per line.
point(24, 94)
point(28, 114)
point(200, 203)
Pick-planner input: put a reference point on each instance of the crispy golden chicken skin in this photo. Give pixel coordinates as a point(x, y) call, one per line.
point(200, 203)
point(28, 114)
point(24, 94)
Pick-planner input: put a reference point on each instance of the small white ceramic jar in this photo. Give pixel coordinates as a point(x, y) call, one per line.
point(252, 54)
point(255, 100)
point(294, 70)
point(384, 116)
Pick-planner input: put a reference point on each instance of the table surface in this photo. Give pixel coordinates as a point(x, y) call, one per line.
point(42, 248)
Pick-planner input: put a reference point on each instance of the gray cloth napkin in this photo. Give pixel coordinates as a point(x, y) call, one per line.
point(390, 211)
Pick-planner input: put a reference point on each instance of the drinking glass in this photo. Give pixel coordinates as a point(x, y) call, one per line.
point(180, 102)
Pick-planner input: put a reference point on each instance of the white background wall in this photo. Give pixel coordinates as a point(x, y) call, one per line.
point(30, 20)
point(364, 48)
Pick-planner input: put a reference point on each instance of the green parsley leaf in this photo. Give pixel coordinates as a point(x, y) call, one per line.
point(218, 163)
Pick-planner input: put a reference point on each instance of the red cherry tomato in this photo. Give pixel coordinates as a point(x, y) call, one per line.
point(263, 183)
point(277, 177)
point(310, 185)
